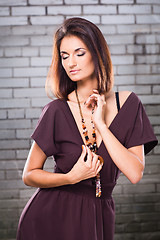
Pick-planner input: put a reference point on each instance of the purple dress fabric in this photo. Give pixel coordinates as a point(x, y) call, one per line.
point(72, 212)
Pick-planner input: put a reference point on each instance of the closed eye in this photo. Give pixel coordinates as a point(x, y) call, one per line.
point(81, 54)
point(64, 56)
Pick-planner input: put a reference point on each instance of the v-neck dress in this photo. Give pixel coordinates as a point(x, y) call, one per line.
point(73, 212)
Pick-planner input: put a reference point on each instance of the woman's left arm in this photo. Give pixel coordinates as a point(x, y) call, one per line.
point(130, 161)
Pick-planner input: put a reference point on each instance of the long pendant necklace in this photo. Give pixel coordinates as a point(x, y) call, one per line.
point(92, 147)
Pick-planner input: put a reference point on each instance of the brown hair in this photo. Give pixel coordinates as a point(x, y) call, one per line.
point(58, 81)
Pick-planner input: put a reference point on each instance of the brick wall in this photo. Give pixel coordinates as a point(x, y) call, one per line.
point(132, 30)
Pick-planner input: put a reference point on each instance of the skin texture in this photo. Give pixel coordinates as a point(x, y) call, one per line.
point(77, 62)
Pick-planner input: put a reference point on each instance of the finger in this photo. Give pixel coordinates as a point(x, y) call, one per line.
point(90, 156)
point(84, 152)
point(95, 159)
point(99, 169)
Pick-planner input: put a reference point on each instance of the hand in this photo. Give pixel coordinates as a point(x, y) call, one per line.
point(85, 169)
point(98, 102)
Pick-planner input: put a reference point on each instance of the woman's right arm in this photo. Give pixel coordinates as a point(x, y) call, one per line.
point(35, 176)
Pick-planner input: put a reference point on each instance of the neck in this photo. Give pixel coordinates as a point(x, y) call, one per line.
point(85, 88)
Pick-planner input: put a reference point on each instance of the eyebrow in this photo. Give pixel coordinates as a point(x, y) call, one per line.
point(76, 50)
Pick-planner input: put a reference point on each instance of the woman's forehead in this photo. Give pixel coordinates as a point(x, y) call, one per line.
point(71, 43)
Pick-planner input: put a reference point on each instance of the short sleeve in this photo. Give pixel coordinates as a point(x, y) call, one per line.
point(44, 131)
point(141, 131)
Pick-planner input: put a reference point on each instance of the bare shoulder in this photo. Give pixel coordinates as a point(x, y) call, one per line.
point(123, 95)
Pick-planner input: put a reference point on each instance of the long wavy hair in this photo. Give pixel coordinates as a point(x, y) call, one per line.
point(58, 83)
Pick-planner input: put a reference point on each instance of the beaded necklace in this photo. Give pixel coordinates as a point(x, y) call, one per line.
point(92, 147)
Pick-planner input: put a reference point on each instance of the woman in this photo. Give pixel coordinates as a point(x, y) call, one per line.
point(93, 134)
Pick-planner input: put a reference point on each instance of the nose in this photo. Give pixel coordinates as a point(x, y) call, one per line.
point(72, 61)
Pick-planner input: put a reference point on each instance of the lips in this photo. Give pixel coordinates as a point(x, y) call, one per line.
point(74, 71)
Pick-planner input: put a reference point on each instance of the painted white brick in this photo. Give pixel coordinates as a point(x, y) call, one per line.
point(30, 72)
point(81, 2)
point(117, 49)
point(118, 19)
point(147, 79)
point(1, 52)
point(148, 19)
point(149, 59)
point(151, 99)
point(137, 28)
point(3, 114)
point(64, 10)
point(117, 1)
point(156, 69)
point(146, 39)
point(107, 29)
point(148, 1)
point(50, 30)
point(33, 113)
point(2, 175)
point(16, 113)
point(40, 102)
point(156, 9)
point(38, 82)
point(45, 51)
point(135, 69)
point(155, 28)
point(13, 2)
point(134, 9)
point(14, 82)
point(5, 93)
point(156, 89)
point(4, 11)
point(14, 144)
point(12, 52)
point(119, 39)
point(94, 9)
point(5, 31)
point(45, 2)
point(29, 92)
point(9, 154)
point(47, 20)
point(22, 154)
point(30, 51)
point(158, 38)
point(133, 49)
point(5, 72)
point(14, 41)
point(42, 41)
point(15, 103)
point(15, 124)
point(41, 61)
point(8, 21)
point(7, 134)
point(23, 11)
point(23, 134)
point(29, 30)
point(26, 193)
point(157, 130)
point(124, 80)
point(92, 18)
point(122, 60)
point(137, 89)
point(14, 174)
point(12, 184)
point(14, 62)
point(152, 110)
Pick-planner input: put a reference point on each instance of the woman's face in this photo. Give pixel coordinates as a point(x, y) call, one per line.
point(76, 59)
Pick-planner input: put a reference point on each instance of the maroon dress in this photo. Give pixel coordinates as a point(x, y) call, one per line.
point(73, 212)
